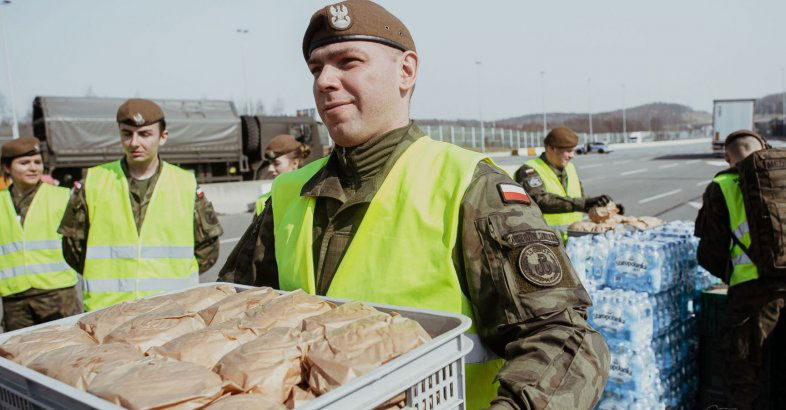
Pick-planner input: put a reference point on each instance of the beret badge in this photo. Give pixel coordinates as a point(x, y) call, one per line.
point(339, 17)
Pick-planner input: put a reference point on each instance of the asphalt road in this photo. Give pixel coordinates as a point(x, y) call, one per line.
point(666, 182)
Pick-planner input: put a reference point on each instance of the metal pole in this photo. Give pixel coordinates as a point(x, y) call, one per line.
point(473, 137)
point(243, 32)
point(452, 138)
point(480, 113)
point(624, 118)
point(783, 101)
point(543, 100)
point(518, 140)
point(12, 101)
point(440, 133)
point(428, 130)
point(589, 107)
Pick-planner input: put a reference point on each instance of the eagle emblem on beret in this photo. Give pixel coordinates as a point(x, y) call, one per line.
point(139, 119)
point(339, 17)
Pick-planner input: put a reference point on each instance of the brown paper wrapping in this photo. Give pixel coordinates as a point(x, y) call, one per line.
point(25, 348)
point(300, 395)
point(245, 402)
point(341, 316)
point(233, 306)
point(196, 299)
point(269, 365)
point(358, 348)
point(285, 311)
point(207, 346)
point(155, 329)
point(77, 365)
point(154, 384)
point(102, 322)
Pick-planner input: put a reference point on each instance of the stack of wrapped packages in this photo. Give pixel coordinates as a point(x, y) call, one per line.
point(215, 348)
point(607, 218)
point(643, 285)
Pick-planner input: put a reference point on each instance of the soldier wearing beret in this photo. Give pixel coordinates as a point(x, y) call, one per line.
point(36, 284)
point(394, 217)
point(553, 183)
point(139, 226)
point(283, 154)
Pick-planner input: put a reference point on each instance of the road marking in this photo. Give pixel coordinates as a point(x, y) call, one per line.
point(718, 163)
point(693, 161)
point(230, 240)
point(592, 179)
point(668, 166)
point(635, 171)
point(659, 196)
point(624, 161)
point(696, 205)
point(704, 183)
point(590, 166)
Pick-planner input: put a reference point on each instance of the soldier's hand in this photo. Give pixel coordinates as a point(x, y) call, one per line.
point(621, 209)
point(594, 201)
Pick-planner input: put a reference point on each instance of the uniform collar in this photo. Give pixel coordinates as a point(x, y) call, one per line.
point(124, 166)
point(553, 168)
point(355, 174)
point(18, 199)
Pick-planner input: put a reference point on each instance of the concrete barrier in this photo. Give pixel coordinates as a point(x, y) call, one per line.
point(234, 197)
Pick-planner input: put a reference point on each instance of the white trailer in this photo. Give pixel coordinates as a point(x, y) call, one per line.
point(729, 116)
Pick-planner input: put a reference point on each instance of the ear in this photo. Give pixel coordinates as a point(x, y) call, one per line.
point(727, 158)
point(408, 72)
point(163, 137)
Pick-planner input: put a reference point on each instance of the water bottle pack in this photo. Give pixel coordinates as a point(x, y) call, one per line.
point(643, 286)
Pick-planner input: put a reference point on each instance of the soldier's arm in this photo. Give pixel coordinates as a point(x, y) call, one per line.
point(253, 261)
point(207, 232)
point(74, 227)
point(531, 311)
point(712, 228)
point(548, 202)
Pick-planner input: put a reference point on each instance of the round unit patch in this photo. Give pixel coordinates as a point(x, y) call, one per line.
point(540, 265)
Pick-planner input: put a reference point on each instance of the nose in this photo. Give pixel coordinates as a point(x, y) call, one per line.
point(272, 170)
point(327, 80)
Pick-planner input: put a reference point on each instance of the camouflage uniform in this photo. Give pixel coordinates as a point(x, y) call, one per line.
point(554, 358)
point(35, 306)
point(549, 203)
point(755, 319)
point(75, 224)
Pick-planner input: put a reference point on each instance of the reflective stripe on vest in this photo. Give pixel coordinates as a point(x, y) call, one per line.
point(31, 256)
point(402, 251)
point(744, 269)
point(123, 265)
point(553, 185)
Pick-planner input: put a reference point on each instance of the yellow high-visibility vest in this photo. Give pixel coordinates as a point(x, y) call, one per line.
point(553, 185)
point(402, 252)
point(260, 205)
point(31, 255)
point(123, 265)
point(744, 269)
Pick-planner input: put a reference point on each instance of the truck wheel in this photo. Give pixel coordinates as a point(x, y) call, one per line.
point(251, 135)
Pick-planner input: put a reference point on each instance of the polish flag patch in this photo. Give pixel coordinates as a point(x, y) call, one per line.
point(513, 194)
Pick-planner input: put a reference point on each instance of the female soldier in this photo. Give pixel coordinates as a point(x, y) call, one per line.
point(283, 154)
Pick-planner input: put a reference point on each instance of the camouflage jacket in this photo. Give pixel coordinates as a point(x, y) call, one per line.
point(553, 357)
point(75, 224)
point(548, 202)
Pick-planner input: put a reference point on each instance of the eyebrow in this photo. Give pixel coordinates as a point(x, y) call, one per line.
point(333, 54)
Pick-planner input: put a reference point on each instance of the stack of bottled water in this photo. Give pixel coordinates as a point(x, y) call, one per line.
point(643, 285)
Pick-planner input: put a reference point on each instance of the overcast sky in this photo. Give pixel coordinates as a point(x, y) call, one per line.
point(683, 51)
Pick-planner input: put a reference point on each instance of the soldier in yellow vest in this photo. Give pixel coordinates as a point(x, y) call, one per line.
point(139, 226)
point(36, 284)
point(755, 323)
point(553, 183)
point(394, 217)
point(283, 154)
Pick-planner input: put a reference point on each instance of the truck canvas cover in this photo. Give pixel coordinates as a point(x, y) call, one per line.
point(83, 129)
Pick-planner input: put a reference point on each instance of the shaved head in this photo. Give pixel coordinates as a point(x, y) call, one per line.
point(740, 148)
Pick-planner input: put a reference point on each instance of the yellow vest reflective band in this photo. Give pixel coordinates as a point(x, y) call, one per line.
point(31, 256)
point(553, 186)
point(744, 269)
point(123, 265)
point(260, 205)
point(402, 252)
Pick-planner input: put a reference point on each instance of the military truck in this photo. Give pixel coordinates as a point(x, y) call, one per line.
point(728, 116)
point(205, 136)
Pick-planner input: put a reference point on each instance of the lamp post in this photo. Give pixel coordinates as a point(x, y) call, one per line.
point(589, 107)
point(243, 32)
point(624, 118)
point(14, 123)
point(543, 101)
point(783, 101)
point(480, 110)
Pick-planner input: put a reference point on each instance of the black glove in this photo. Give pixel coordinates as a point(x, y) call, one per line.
point(621, 209)
point(594, 201)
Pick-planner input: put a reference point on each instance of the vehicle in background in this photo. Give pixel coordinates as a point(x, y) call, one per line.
point(207, 137)
point(599, 147)
point(636, 137)
point(730, 115)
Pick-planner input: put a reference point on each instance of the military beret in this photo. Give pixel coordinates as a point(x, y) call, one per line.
point(356, 20)
point(281, 145)
point(139, 112)
point(21, 147)
point(562, 137)
point(744, 133)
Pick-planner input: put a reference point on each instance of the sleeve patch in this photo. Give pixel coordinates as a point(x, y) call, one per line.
point(534, 182)
point(77, 186)
point(530, 172)
point(540, 265)
point(199, 193)
point(513, 194)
